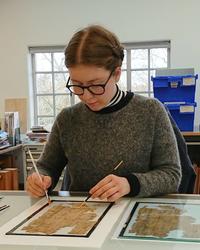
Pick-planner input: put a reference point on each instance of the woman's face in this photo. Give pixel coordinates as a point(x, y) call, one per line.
point(86, 75)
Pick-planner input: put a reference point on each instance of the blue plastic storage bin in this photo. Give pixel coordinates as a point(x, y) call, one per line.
point(183, 114)
point(175, 88)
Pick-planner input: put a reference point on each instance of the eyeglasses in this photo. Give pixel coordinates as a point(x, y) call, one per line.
point(97, 89)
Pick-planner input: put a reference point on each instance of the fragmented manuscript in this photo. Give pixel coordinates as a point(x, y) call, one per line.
point(174, 221)
point(63, 218)
point(79, 218)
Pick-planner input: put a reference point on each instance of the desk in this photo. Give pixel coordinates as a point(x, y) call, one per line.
point(193, 142)
point(19, 201)
point(10, 149)
point(16, 153)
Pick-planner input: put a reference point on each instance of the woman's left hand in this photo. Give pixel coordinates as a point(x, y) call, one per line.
point(111, 187)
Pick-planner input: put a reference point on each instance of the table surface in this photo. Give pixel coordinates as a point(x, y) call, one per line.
point(20, 201)
point(191, 133)
point(10, 149)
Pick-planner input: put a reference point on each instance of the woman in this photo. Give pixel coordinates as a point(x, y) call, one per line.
point(106, 127)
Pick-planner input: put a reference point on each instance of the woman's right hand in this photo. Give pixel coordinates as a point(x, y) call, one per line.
point(35, 187)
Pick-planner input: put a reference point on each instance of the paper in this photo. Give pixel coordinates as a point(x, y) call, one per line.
point(187, 109)
point(188, 81)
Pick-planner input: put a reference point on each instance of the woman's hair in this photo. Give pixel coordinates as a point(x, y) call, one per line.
point(94, 45)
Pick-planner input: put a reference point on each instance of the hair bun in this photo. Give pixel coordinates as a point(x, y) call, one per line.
point(118, 52)
point(122, 54)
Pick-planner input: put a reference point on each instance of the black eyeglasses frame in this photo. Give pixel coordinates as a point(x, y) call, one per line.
point(89, 86)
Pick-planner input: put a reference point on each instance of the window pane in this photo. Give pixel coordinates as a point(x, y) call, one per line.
point(124, 63)
point(139, 80)
point(62, 101)
point(59, 62)
point(60, 80)
point(45, 105)
point(158, 58)
point(77, 100)
point(43, 61)
point(152, 73)
point(44, 83)
point(139, 58)
point(46, 122)
point(146, 95)
point(123, 81)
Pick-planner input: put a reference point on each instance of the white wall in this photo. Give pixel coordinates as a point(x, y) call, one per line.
point(25, 23)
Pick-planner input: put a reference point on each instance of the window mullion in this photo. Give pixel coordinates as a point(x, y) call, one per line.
point(168, 58)
point(53, 84)
point(128, 69)
point(149, 73)
point(34, 90)
point(72, 99)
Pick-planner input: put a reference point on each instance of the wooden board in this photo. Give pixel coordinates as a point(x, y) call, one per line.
point(14, 177)
point(190, 133)
point(19, 105)
point(5, 180)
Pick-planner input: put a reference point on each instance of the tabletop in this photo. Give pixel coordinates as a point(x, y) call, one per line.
point(110, 226)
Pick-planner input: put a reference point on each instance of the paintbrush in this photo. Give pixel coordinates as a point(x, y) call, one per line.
point(88, 197)
point(4, 207)
point(36, 169)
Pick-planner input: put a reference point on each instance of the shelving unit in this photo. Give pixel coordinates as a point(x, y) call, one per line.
point(11, 157)
point(36, 150)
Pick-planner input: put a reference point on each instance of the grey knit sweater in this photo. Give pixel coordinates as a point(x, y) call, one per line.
point(92, 143)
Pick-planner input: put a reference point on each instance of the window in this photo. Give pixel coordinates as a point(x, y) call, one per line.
point(49, 80)
point(141, 62)
point(49, 76)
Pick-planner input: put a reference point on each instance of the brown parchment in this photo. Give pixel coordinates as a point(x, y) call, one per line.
point(160, 221)
point(79, 218)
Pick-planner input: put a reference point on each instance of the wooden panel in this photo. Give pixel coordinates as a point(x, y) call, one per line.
point(5, 180)
point(19, 105)
point(14, 177)
point(6, 161)
point(1, 122)
point(197, 181)
point(190, 133)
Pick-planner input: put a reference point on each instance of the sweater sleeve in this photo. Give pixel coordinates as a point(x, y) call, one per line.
point(53, 159)
point(165, 171)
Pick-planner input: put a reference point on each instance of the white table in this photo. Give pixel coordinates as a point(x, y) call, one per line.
point(19, 201)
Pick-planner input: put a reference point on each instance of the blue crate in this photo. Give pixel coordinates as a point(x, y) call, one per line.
point(183, 114)
point(175, 88)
